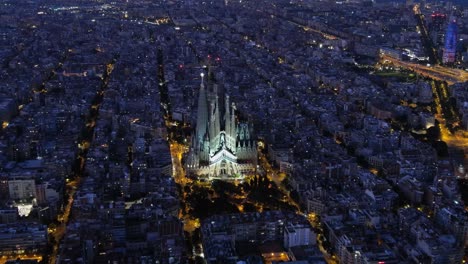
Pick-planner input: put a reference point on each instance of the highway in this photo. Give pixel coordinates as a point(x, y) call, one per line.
point(437, 72)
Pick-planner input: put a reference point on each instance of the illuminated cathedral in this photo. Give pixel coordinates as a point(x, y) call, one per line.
point(222, 146)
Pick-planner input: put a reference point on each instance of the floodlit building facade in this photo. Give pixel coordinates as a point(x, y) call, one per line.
point(222, 147)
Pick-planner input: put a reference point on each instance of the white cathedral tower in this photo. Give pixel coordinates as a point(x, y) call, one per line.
point(222, 147)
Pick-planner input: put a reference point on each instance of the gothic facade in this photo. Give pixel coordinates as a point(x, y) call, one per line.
point(222, 147)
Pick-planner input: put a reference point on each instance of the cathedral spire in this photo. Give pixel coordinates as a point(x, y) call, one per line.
point(202, 112)
point(217, 118)
point(202, 84)
point(233, 122)
point(227, 122)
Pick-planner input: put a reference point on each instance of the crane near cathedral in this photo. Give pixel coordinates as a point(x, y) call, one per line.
point(222, 147)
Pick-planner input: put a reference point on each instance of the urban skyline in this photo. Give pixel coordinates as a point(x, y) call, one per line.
point(243, 132)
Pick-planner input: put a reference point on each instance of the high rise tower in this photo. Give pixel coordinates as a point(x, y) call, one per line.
point(450, 47)
point(222, 147)
point(437, 28)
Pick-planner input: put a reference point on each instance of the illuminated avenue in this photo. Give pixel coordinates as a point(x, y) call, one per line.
point(436, 72)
